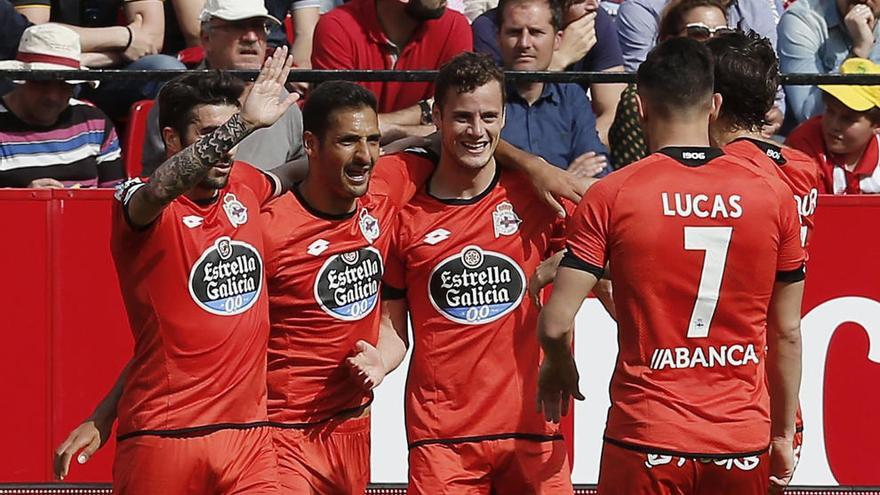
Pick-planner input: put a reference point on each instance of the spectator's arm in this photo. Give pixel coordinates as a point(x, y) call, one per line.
point(605, 100)
point(102, 59)
point(799, 52)
point(36, 11)
point(187, 13)
point(637, 32)
point(331, 47)
point(12, 25)
point(304, 20)
point(151, 34)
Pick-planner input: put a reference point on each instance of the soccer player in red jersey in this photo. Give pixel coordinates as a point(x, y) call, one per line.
point(326, 244)
point(465, 245)
point(746, 77)
point(691, 411)
point(188, 249)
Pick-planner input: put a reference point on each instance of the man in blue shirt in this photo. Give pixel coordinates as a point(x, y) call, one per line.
point(588, 43)
point(553, 121)
point(816, 36)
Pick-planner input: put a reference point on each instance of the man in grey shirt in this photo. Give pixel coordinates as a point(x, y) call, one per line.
point(234, 37)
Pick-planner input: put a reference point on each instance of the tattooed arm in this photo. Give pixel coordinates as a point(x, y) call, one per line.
point(185, 170)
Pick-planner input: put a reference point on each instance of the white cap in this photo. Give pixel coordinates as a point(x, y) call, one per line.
point(235, 10)
point(48, 47)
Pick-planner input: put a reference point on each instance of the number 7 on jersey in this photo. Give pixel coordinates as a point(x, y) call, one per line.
point(715, 242)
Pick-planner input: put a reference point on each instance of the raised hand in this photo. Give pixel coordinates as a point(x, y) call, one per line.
point(557, 384)
point(264, 104)
point(859, 23)
point(578, 38)
point(367, 366)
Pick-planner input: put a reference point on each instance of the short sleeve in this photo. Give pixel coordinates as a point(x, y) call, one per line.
point(332, 46)
point(265, 185)
point(400, 175)
point(790, 262)
point(606, 53)
point(588, 227)
point(557, 233)
point(110, 167)
point(461, 38)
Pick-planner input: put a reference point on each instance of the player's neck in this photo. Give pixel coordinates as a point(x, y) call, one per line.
point(663, 134)
point(317, 198)
point(201, 194)
point(721, 134)
point(452, 180)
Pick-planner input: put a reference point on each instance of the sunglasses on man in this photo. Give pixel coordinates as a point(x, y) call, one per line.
point(702, 32)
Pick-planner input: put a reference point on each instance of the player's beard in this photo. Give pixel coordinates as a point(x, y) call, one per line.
point(420, 12)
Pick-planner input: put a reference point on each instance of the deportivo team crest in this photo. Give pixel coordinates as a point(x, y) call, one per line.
point(236, 211)
point(505, 220)
point(369, 226)
point(347, 286)
point(227, 278)
point(475, 286)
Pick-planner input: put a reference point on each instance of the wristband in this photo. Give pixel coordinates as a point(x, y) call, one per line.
point(130, 38)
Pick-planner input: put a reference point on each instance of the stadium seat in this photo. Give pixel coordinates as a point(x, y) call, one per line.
point(134, 137)
point(192, 56)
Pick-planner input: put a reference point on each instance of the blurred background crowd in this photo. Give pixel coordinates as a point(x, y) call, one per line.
point(84, 134)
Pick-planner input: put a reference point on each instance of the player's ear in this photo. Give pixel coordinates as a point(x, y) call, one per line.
point(716, 106)
point(310, 142)
point(640, 107)
point(171, 138)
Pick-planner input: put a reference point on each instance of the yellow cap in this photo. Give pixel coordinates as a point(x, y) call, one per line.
point(857, 97)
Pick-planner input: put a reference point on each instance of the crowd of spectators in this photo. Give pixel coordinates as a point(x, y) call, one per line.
point(64, 134)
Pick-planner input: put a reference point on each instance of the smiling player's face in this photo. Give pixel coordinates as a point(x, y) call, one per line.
point(470, 124)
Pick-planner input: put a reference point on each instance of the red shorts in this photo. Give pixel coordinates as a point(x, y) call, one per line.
point(490, 466)
point(624, 472)
point(332, 458)
point(225, 461)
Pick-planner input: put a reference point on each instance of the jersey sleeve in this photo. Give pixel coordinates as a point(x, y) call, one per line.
point(557, 234)
point(394, 277)
point(588, 227)
point(400, 175)
point(790, 262)
point(332, 45)
point(125, 191)
point(265, 185)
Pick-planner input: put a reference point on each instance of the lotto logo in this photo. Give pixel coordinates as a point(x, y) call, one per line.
point(437, 236)
point(318, 247)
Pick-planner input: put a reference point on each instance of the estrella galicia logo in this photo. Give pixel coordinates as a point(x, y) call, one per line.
point(226, 280)
point(475, 286)
point(347, 286)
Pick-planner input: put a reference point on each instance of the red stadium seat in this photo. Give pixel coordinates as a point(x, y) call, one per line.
point(191, 56)
point(134, 137)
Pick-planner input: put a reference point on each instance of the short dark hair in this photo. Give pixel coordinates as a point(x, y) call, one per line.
point(672, 17)
point(746, 76)
point(329, 97)
point(676, 77)
point(181, 95)
point(555, 7)
point(466, 72)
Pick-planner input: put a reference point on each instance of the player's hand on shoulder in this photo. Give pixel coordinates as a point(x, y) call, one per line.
point(551, 182)
point(82, 443)
point(557, 385)
point(264, 103)
point(367, 367)
point(781, 464)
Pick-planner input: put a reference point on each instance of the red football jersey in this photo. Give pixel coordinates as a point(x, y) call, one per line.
point(324, 278)
point(696, 240)
point(193, 285)
point(464, 265)
point(795, 168)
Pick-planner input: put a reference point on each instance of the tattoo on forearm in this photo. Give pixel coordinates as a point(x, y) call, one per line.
point(184, 170)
